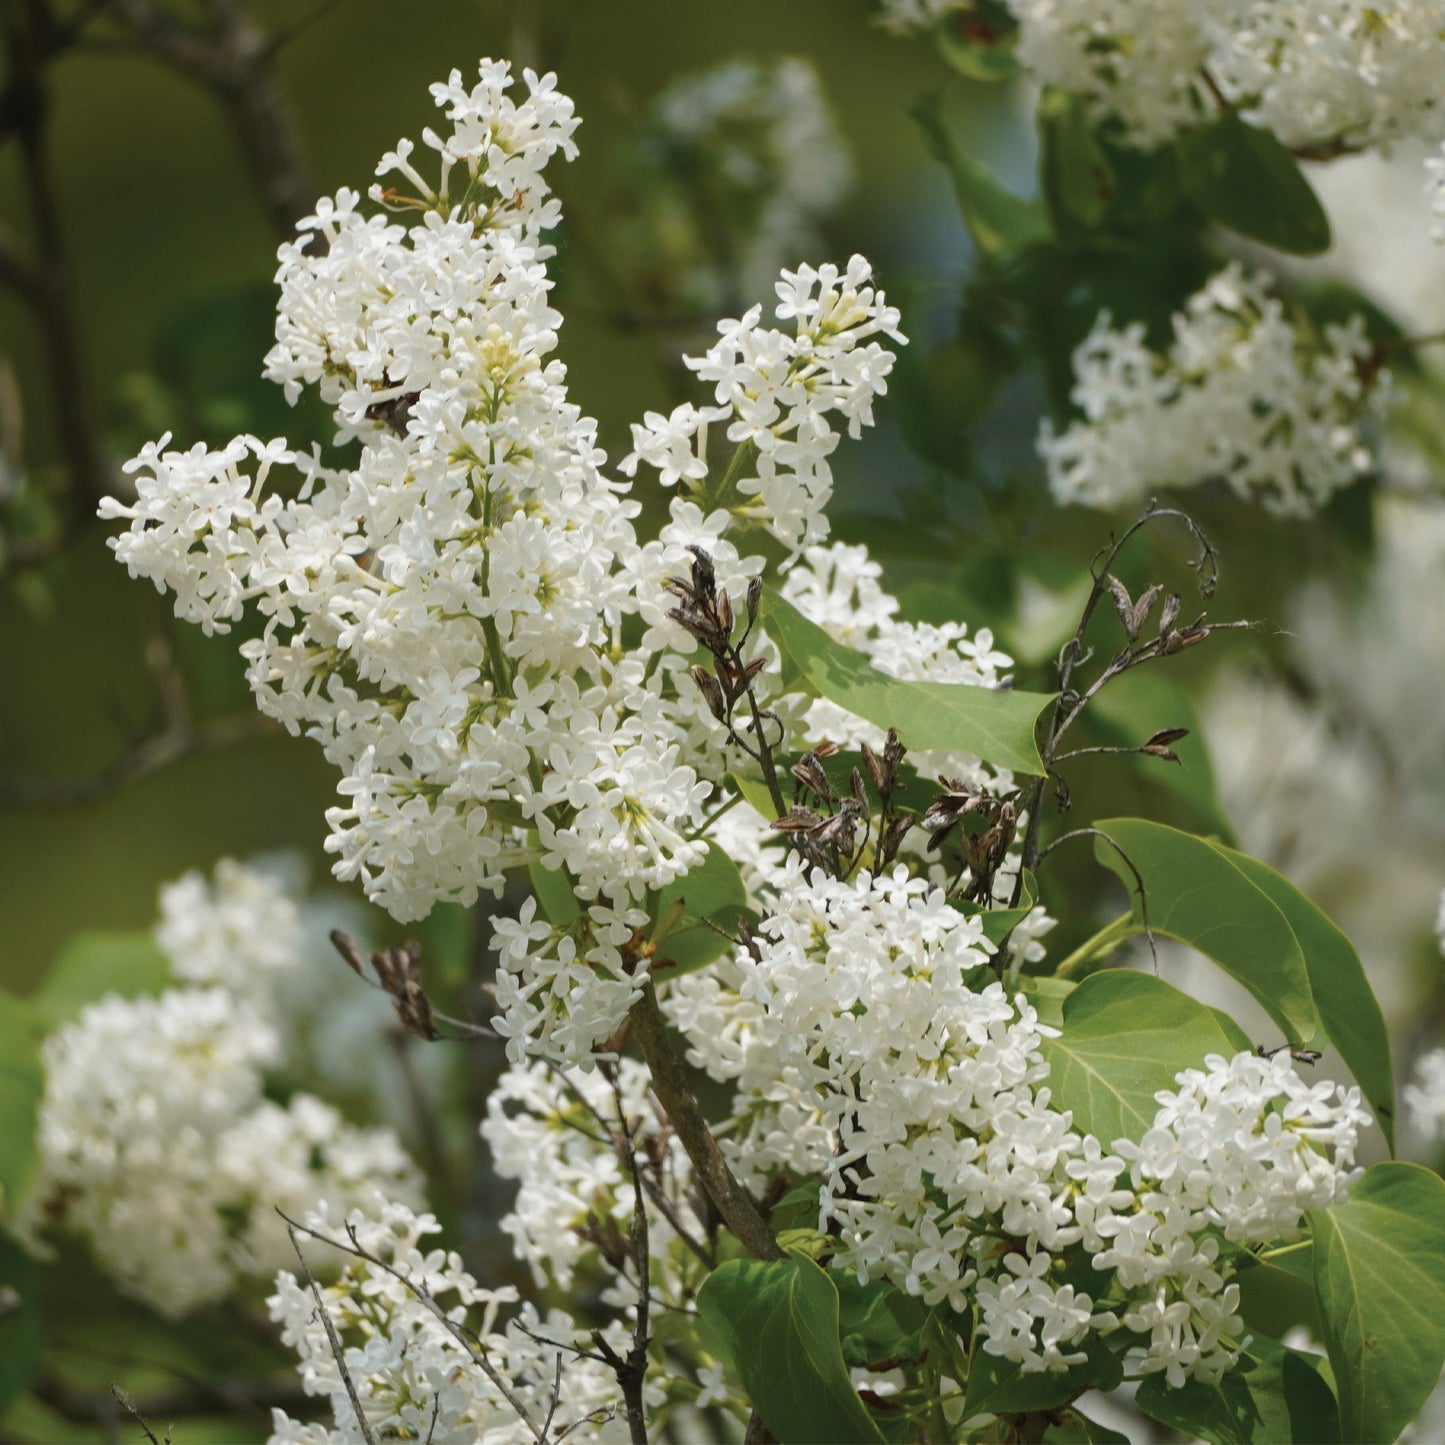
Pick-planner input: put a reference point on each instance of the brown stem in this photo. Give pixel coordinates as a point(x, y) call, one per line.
point(674, 1093)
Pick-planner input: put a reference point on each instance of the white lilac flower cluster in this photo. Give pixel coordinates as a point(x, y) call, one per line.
point(445, 617)
point(773, 165)
point(156, 1142)
point(870, 1049)
point(556, 1135)
point(1321, 74)
point(417, 1379)
point(1243, 396)
point(778, 393)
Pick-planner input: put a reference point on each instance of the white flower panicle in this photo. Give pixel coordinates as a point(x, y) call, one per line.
point(241, 930)
point(414, 1378)
point(871, 1047)
point(777, 393)
point(1325, 75)
point(157, 1146)
point(554, 1134)
point(838, 587)
point(444, 617)
point(1242, 396)
point(156, 1143)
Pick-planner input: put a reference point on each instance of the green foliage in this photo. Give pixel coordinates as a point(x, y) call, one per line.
point(1275, 1395)
point(1003, 1387)
point(979, 42)
point(1245, 179)
point(999, 222)
point(1380, 1283)
point(776, 1322)
point(22, 1083)
point(22, 1339)
point(1263, 931)
point(1075, 174)
point(997, 725)
point(1198, 895)
point(93, 965)
point(1126, 1035)
point(692, 918)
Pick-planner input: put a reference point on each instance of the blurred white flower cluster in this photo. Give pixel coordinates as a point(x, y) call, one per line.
point(1320, 74)
point(1243, 395)
point(414, 1373)
point(870, 1047)
point(157, 1144)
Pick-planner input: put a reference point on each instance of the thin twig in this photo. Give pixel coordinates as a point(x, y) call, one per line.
point(464, 1337)
point(1140, 891)
point(332, 1338)
point(126, 1404)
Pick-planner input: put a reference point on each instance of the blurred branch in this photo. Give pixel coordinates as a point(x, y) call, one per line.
point(232, 58)
point(33, 37)
point(179, 736)
point(198, 1397)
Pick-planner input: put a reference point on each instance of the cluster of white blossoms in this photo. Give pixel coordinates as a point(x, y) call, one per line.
point(1243, 396)
point(416, 1375)
point(778, 393)
point(557, 1135)
point(1321, 74)
point(446, 617)
point(156, 1142)
point(772, 166)
point(872, 1047)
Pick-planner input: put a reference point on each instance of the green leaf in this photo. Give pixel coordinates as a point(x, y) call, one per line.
point(1076, 1428)
point(995, 724)
point(22, 1340)
point(1126, 1035)
point(1380, 1287)
point(1275, 1395)
point(559, 905)
point(1048, 996)
point(1130, 711)
point(1245, 179)
point(979, 43)
point(1001, 1387)
point(878, 1321)
point(776, 1322)
point(22, 1083)
point(1074, 172)
point(710, 894)
point(93, 965)
point(683, 913)
point(1342, 993)
point(999, 221)
point(998, 923)
point(1198, 894)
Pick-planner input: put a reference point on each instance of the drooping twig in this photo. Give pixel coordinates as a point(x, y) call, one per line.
point(1140, 891)
point(179, 736)
point(332, 1338)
